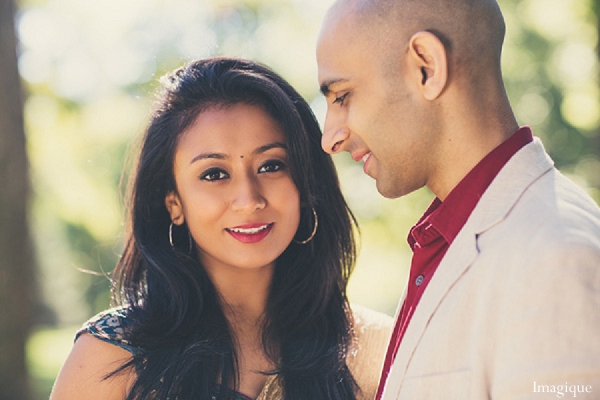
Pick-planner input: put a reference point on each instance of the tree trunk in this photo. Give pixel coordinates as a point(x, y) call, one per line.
point(16, 258)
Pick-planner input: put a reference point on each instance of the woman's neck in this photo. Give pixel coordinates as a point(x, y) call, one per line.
point(243, 293)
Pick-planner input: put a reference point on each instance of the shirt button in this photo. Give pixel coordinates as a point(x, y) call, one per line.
point(419, 280)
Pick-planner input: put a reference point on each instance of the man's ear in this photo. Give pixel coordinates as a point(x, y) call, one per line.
point(430, 64)
point(173, 203)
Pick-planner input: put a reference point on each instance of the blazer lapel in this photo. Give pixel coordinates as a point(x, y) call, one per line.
point(526, 166)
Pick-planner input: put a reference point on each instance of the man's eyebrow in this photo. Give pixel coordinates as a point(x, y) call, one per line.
point(267, 147)
point(204, 156)
point(326, 86)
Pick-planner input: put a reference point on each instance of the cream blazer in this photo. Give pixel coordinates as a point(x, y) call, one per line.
point(515, 303)
point(372, 333)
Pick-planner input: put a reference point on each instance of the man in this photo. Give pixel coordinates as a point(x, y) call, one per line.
point(503, 296)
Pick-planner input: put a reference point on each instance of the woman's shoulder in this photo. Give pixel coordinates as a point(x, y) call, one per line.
point(372, 330)
point(370, 322)
point(112, 326)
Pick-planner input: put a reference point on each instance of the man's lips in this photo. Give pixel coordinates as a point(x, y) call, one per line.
point(361, 156)
point(250, 233)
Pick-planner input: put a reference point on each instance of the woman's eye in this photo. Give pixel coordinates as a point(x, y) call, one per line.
point(340, 100)
point(271, 166)
point(214, 174)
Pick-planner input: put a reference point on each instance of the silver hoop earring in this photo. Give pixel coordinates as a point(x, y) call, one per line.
point(171, 235)
point(171, 239)
point(312, 235)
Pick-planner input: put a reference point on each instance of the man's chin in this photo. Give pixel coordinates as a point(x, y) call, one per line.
point(389, 190)
point(385, 190)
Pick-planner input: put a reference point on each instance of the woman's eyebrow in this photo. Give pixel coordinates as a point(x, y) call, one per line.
point(203, 156)
point(274, 145)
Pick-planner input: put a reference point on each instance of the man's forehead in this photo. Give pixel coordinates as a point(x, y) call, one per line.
point(338, 30)
point(333, 48)
point(331, 22)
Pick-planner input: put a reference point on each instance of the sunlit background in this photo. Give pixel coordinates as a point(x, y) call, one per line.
point(90, 67)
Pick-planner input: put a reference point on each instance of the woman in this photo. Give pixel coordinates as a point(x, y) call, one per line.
point(232, 283)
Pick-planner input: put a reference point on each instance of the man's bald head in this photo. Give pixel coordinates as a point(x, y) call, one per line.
point(472, 31)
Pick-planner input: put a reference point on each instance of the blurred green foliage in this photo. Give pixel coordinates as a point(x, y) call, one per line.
point(551, 69)
point(46, 351)
point(90, 69)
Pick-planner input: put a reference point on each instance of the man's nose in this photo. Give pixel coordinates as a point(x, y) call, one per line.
point(248, 196)
point(335, 134)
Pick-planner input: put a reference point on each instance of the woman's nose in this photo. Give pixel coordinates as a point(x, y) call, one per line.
point(248, 196)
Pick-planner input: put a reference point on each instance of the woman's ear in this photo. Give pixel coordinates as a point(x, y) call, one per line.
point(173, 203)
point(429, 62)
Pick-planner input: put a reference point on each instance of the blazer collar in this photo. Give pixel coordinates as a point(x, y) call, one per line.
point(525, 167)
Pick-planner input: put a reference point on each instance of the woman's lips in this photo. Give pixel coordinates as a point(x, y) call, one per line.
point(250, 233)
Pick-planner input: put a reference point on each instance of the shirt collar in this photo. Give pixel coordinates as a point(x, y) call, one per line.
point(448, 217)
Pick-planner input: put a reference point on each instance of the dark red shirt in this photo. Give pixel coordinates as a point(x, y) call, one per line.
point(430, 238)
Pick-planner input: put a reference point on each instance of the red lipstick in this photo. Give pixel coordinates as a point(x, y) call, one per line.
point(250, 233)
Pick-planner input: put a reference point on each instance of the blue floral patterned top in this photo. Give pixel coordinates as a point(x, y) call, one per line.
point(111, 326)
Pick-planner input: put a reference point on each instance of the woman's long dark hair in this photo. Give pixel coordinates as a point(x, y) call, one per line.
point(186, 344)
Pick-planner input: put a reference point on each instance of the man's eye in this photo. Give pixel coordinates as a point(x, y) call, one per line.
point(214, 174)
point(340, 100)
point(271, 166)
